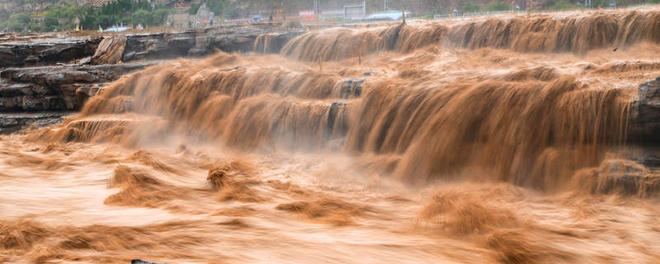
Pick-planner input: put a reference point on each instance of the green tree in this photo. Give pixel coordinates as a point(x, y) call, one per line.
point(498, 6)
point(562, 5)
point(470, 7)
point(142, 17)
point(89, 18)
point(19, 22)
point(193, 9)
point(159, 16)
point(216, 6)
point(50, 22)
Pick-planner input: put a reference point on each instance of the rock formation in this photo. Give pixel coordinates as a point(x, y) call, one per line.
point(41, 75)
point(46, 51)
point(645, 124)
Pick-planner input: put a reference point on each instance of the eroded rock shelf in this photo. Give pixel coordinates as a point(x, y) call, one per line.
point(45, 74)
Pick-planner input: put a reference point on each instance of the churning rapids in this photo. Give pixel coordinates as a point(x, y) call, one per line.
point(499, 140)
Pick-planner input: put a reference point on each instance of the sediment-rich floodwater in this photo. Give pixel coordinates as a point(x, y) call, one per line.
point(483, 141)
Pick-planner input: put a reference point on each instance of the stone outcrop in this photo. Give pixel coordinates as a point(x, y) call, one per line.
point(32, 52)
point(12, 122)
point(68, 74)
point(139, 261)
point(56, 88)
point(273, 42)
point(620, 176)
point(42, 95)
point(35, 51)
point(110, 50)
point(645, 118)
point(202, 42)
point(351, 88)
point(43, 73)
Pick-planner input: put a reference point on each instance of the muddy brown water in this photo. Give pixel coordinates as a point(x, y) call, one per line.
point(441, 154)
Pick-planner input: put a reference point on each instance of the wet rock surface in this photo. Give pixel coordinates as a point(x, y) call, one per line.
point(12, 122)
point(49, 50)
point(650, 159)
point(645, 126)
point(352, 88)
point(42, 73)
point(202, 42)
point(139, 261)
point(273, 42)
point(623, 177)
point(67, 74)
point(56, 88)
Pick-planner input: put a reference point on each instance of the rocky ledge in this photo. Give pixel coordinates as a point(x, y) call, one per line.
point(12, 122)
point(645, 118)
point(46, 51)
point(56, 88)
point(42, 76)
point(35, 51)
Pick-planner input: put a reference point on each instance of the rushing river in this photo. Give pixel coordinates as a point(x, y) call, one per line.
point(486, 141)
